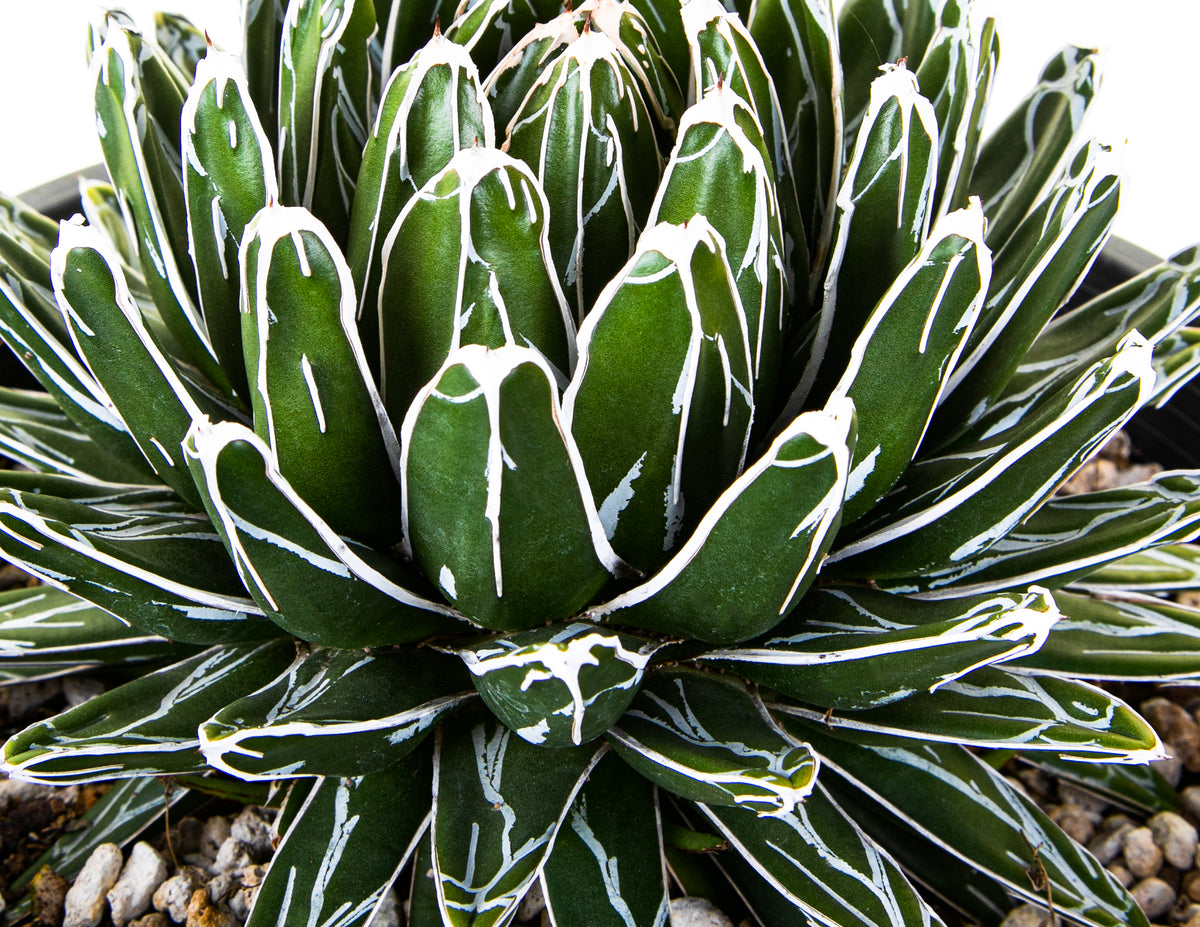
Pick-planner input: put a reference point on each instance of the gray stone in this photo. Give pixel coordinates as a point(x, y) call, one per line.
point(223, 886)
point(173, 896)
point(233, 857)
point(1143, 856)
point(1154, 896)
point(697, 912)
point(1027, 915)
point(387, 914)
point(533, 903)
point(1171, 769)
point(1120, 873)
point(1177, 838)
point(1106, 845)
point(16, 791)
point(1191, 801)
point(85, 902)
point(1076, 821)
point(254, 831)
point(145, 871)
point(215, 832)
point(1176, 727)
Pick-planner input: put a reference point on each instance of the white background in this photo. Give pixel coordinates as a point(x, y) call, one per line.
point(1148, 107)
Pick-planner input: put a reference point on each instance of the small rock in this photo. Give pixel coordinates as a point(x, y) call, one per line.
point(174, 895)
point(1076, 821)
point(239, 906)
point(254, 831)
point(1154, 896)
point(186, 835)
point(79, 689)
point(1106, 845)
point(223, 886)
point(1191, 885)
point(153, 919)
point(1120, 873)
point(203, 913)
point(1177, 838)
point(1184, 912)
point(1191, 801)
point(233, 857)
point(1193, 921)
point(215, 832)
point(1027, 915)
point(24, 700)
point(1143, 856)
point(145, 871)
point(697, 912)
point(49, 893)
point(1170, 768)
point(387, 914)
point(1117, 449)
point(16, 792)
point(1176, 727)
point(533, 903)
point(85, 902)
point(1036, 781)
point(1093, 804)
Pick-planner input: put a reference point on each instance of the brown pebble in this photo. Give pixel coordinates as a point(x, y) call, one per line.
point(1027, 915)
point(1106, 845)
point(1177, 728)
point(1076, 821)
point(203, 913)
point(1120, 873)
point(151, 920)
point(1143, 856)
point(49, 897)
point(1154, 896)
point(1191, 885)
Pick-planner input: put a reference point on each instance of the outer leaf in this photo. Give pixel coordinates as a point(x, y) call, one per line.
point(586, 132)
point(228, 176)
point(112, 337)
point(1027, 150)
point(468, 262)
point(496, 503)
point(315, 403)
point(559, 685)
point(45, 632)
point(663, 424)
point(1047, 257)
point(145, 727)
point(956, 800)
point(42, 344)
point(799, 46)
point(1069, 536)
point(993, 707)
point(902, 360)
point(817, 857)
point(849, 648)
point(324, 99)
point(759, 547)
point(607, 867)
point(337, 713)
point(1165, 569)
point(308, 580)
point(497, 804)
point(720, 168)
point(952, 508)
point(883, 217)
point(432, 107)
point(365, 830)
point(36, 433)
point(1128, 636)
point(138, 106)
point(971, 128)
point(708, 738)
point(161, 573)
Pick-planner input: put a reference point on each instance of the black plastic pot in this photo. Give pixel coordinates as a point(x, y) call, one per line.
point(1168, 436)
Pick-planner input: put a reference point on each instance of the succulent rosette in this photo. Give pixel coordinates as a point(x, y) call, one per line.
point(542, 443)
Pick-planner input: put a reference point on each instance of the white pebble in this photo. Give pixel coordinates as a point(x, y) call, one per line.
point(172, 897)
point(1143, 856)
point(533, 903)
point(387, 914)
point(1027, 915)
point(215, 832)
point(697, 912)
point(253, 830)
point(143, 873)
point(85, 902)
point(1154, 896)
point(1177, 838)
point(233, 857)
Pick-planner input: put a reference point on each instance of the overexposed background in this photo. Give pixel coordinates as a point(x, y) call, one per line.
point(1147, 107)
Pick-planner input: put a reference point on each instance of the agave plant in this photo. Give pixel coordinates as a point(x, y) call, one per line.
point(545, 443)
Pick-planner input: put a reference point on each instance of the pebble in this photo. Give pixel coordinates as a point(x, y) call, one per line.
point(697, 912)
point(1107, 845)
point(86, 901)
point(1027, 915)
point(1191, 801)
point(49, 893)
point(1076, 821)
point(1190, 885)
point(1176, 727)
point(173, 896)
point(216, 831)
point(1120, 873)
point(388, 914)
point(143, 873)
point(1177, 838)
point(233, 857)
point(201, 912)
point(253, 831)
point(533, 903)
point(1154, 896)
point(1143, 856)
point(153, 919)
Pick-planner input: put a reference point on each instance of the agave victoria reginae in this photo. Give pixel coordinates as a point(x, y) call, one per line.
point(550, 443)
